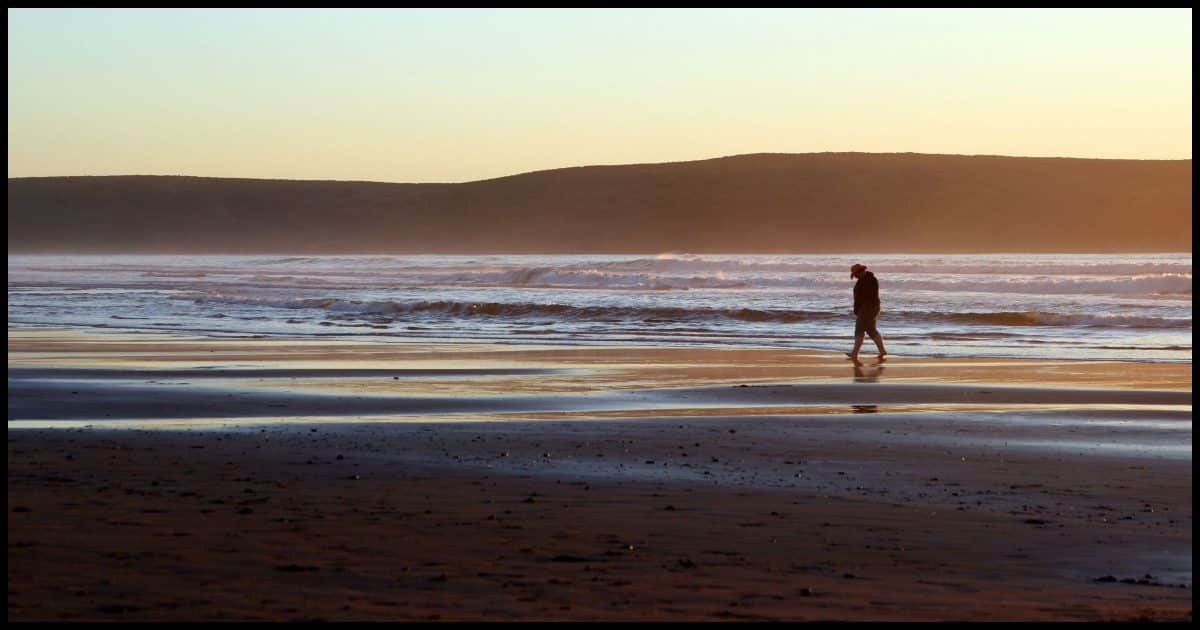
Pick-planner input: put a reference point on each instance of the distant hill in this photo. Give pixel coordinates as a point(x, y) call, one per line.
point(768, 203)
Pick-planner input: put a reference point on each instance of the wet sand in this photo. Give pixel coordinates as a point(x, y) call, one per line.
point(188, 479)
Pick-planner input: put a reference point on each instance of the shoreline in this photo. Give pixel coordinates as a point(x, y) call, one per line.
point(215, 335)
point(459, 482)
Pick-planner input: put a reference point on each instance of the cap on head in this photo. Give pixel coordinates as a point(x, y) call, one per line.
point(857, 269)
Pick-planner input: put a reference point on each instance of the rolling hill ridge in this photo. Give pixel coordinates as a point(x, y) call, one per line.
point(760, 203)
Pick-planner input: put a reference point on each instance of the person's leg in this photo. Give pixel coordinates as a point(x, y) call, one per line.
point(860, 329)
point(858, 342)
point(871, 329)
point(878, 339)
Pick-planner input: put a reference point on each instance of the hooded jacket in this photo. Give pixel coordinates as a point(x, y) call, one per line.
point(866, 294)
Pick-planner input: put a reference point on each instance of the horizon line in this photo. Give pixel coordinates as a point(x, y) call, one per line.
point(604, 165)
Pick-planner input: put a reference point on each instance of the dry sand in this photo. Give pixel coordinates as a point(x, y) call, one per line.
point(189, 479)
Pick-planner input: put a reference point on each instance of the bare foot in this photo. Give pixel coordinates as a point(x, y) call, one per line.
point(852, 356)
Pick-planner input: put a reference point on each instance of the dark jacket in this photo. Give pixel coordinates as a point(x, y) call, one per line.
point(866, 294)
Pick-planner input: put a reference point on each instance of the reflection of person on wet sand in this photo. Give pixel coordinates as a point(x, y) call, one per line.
point(866, 310)
point(868, 374)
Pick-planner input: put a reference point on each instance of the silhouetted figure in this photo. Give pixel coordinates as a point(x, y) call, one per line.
point(866, 310)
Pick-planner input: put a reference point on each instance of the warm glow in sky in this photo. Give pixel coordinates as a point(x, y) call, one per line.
point(449, 95)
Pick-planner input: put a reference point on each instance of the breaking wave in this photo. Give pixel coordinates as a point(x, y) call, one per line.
point(1041, 318)
point(351, 308)
point(1160, 276)
point(526, 309)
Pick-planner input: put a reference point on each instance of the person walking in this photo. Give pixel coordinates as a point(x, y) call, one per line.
point(866, 310)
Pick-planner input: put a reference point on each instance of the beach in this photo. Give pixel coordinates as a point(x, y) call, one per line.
point(174, 477)
point(599, 315)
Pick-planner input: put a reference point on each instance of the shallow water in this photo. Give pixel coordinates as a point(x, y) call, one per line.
point(1122, 307)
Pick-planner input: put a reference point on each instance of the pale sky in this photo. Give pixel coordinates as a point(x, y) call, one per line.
point(452, 95)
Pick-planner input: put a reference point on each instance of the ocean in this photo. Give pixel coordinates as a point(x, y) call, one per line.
point(1078, 306)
